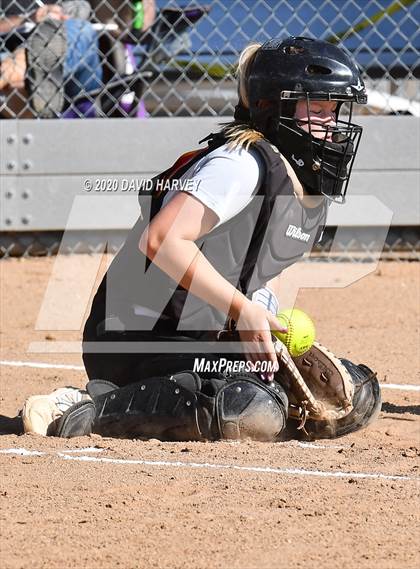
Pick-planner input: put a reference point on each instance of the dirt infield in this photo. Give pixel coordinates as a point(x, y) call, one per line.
point(104, 503)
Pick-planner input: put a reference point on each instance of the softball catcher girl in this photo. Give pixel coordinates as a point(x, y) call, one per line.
point(190, 281)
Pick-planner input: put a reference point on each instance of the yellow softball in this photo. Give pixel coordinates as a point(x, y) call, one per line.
point(300, 334)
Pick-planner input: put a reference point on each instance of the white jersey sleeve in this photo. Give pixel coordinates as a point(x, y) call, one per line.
point(224, 180)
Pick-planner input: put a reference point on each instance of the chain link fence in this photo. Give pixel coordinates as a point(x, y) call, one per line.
point(144, 58)
point(353, 245)
point(141, 58)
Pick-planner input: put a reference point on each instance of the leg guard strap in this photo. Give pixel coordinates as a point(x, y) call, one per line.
point(158, 407)
point(181, 407)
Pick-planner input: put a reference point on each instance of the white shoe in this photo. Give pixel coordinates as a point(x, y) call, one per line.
point(41, 412)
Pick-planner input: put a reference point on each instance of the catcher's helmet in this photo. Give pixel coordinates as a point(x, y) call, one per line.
point(302, 68)
point(366, 405)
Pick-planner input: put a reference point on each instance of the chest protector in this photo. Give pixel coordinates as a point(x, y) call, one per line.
point(271, 233)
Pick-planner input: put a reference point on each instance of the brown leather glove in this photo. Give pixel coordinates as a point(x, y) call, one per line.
point(318, 385)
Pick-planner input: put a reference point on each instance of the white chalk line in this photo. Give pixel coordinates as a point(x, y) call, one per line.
point(401, 386)
point(308, 445)
point(21, 452)
point(42, 365)
point(87, 449)
point(197, 465)
point(24, 452)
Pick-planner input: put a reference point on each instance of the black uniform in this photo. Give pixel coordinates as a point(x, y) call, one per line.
point(270, 234)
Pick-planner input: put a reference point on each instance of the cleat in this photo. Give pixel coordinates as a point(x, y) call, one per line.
point(40, 413)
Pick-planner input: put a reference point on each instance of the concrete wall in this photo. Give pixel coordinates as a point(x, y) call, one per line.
point(45, 164)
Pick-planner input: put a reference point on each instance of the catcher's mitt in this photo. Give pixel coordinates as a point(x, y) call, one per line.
point(331, 396)
point(318, 385)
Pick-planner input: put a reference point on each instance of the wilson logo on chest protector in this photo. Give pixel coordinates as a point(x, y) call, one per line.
point(296, 233)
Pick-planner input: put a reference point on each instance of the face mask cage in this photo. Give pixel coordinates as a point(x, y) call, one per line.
point(333, 163)
point(331, 150)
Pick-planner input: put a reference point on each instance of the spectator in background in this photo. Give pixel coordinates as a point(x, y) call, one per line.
point(58, 61)
point(130, 19)
point(127, 22)
point(136, 14)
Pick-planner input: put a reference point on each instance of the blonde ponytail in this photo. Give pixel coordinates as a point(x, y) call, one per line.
point(242, 72)
point(239, 133)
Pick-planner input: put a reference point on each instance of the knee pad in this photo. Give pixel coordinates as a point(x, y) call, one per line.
point(248, 409)
point(181, 407)
point(157, 407)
